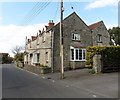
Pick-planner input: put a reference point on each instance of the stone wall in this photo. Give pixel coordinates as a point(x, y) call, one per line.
point(105, 37)
point(77, 64)
point(71, 24)
point(97, 64)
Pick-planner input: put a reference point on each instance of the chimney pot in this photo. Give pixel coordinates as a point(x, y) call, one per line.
point(51, 23)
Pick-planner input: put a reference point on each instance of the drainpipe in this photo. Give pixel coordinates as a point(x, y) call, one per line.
point(52, 41)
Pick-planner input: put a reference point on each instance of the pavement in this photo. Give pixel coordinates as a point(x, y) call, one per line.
point(104, 84)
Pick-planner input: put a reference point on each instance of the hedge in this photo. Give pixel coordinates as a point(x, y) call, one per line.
point(110, 55)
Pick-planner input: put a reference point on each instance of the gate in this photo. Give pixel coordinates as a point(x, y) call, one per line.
point(110, 64)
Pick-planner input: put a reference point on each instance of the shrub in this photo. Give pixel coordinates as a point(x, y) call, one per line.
point(110, 55)
point(92, 71)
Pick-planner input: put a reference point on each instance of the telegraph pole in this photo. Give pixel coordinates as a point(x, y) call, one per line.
point(61, 39)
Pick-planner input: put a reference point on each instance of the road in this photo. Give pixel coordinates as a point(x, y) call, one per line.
point(18, 83)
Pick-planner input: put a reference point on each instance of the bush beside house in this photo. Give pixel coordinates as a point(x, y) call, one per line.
point(19, 59)
point(110, 56)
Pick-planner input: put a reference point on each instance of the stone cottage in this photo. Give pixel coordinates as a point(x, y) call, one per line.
point(44, 49)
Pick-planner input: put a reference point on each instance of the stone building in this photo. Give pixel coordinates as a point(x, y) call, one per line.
point(44, 49)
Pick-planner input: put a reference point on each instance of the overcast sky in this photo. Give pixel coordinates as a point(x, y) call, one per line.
point(21, 19)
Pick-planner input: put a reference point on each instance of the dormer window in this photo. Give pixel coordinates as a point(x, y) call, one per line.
point(75, 36)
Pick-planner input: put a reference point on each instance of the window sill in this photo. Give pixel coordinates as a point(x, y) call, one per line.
point(77, 40)
point(99, 42)
point(77, 60)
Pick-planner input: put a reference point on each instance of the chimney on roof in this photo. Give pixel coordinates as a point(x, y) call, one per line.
point(40, 32)
point(51, 23)
point(28, 40)
point(33, 38)
point(37, 35)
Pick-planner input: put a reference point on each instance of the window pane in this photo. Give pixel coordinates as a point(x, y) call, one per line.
point(80, 54)
point(38, 57)
point(76, 36)
point(47, 57)
point(72, 54)
point(99, 38)
point(73, 36)
point(76, 54)
point(84, 51)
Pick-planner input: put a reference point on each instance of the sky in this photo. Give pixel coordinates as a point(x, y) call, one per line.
point(19, 19)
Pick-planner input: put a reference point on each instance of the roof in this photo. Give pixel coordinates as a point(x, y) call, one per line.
point(3, 53)
point(74, 13)
point(95, 25)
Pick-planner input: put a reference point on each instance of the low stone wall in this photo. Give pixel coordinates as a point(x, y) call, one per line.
point(77, 64)
point(37, 69)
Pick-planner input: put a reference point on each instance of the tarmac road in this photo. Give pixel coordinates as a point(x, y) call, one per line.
point(17, 83)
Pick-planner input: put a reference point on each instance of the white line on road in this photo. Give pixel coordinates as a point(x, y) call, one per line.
point(53, 81)
point(67, 85)
point(94, 96)
point(43, 77)
point(27, 71)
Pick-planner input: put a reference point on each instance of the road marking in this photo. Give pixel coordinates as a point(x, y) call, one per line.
point(43, 77)
point(53, 81)
point(67, 85)
point(27, 71)
point(32, 73)
point(94, 96)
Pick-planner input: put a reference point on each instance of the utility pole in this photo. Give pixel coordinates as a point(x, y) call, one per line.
point(61, 39)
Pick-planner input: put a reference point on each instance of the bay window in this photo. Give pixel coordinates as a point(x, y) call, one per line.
point(78, 54)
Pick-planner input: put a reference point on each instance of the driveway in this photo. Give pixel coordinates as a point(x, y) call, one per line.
point(105, 84)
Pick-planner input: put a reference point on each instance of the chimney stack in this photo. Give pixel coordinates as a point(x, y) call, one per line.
point(51, 23)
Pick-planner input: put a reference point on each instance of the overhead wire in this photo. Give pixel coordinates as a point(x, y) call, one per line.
point(36, 10)
point(56, 12)
point(30, 13)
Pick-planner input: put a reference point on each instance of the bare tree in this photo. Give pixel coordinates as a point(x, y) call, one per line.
point(17, 49)
point(18, 53)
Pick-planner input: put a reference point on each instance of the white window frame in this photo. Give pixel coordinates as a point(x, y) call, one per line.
point(77, 49)
point(76, 36)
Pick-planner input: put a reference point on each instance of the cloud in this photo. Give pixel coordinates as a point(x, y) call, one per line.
point(109, 26)
point(13, 35)
point(101, 3)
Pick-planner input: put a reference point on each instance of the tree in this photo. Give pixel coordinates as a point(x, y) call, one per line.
point(18, 54)
point(115, 34)
point(17, 49)
point(5, 58)
point(19, 57)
